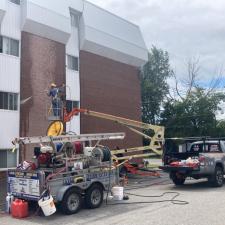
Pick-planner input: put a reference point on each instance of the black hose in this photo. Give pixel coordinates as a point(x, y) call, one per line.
point(106, 154)
point(173, 200)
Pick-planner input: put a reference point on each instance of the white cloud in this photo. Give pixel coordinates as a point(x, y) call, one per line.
point(185, 28)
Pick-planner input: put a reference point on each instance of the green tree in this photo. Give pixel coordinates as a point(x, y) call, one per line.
point(193, 115)
point(220, 128)
point(154, 85)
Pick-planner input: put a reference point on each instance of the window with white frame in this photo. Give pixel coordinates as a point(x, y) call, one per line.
point(9, 46)
point(72, 63)
point(8, 159)
point(8, 101)
point(15, 1)
point(70, 105)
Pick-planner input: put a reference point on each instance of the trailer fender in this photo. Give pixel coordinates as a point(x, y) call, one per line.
point(63, 190)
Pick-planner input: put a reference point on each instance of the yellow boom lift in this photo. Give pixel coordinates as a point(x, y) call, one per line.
point(156, 140)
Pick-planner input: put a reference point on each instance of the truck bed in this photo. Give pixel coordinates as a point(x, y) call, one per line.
point(181, 169)
point(176, 156)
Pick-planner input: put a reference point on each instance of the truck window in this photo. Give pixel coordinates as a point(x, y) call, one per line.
point(170, 146)
point(214, 148)
point(196, 148)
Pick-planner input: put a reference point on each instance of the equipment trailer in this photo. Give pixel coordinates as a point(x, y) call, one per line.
point(63, 174)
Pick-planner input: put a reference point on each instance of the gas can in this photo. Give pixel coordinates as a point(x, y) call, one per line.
point(19, 208)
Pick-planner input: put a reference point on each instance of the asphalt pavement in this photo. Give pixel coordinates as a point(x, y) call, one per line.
point(200, 205)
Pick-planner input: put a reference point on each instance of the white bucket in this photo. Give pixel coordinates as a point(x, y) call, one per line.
point(47, 206)
point(117, 193)
point(78, 165)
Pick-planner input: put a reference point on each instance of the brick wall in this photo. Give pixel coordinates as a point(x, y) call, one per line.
point(42, 62)
point(110, 87)
point(106, 86)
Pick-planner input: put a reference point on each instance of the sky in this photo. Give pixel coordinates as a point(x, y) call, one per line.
point(187, 29)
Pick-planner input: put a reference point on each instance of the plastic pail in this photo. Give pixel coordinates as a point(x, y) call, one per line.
point(47, 206)
point(117, 193)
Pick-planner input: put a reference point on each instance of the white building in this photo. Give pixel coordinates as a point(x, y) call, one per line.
point(71, 41)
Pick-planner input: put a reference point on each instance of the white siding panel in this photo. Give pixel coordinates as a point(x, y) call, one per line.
point(110, 36)
point(2, 9)
point(9, 121)
point(113, 54)
point(73, 85)
point(74, 125)
point(111, 24)
point(10, 26)
point(3, 5)
point(45, 22)
point(9, 73)
point(72, 47)
point(60, 6)
point(104, 41)
point(73, 80)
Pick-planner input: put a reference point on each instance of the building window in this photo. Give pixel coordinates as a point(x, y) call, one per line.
point(8, 159)
point(74, 20)
point(15, 1)
point(8, 101)
point(70, 105)
point(9, 46)
point(72, 62)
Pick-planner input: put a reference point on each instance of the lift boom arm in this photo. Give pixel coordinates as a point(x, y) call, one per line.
point(156, 139)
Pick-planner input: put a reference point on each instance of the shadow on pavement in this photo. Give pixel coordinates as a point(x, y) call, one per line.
point(197, 185)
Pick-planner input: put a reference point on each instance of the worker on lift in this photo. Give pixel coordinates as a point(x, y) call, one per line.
point(56, 102)
point(62, 94)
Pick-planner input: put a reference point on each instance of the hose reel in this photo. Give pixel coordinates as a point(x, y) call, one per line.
point(101, 153)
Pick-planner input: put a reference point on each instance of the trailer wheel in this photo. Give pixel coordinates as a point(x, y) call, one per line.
point(94, 196)
point(176, 179)
point(71, 202)
point(217, 178)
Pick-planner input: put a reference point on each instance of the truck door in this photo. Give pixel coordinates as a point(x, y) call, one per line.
point(213, 154)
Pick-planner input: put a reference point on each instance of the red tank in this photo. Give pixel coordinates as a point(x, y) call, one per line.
point(78, 147)
point(19, 209)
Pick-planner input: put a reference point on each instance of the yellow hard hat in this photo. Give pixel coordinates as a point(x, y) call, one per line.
point(53, 85)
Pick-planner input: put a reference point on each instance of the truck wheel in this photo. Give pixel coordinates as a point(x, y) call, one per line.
point(177, 180)
point(94, 196)
point(71, 202)
point(217, 178)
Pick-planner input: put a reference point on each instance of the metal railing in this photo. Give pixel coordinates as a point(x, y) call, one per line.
point(54, 113)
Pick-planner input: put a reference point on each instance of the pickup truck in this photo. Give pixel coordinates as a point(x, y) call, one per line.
point(201, 159)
